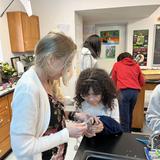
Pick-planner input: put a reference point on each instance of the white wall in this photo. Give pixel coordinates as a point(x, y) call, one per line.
point(76, 64)
point(52, 13)
point(5, 51)
point(78, 37)
point(88, 29)
point(147, 23)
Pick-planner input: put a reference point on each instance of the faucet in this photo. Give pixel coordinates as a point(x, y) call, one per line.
point(155, 140)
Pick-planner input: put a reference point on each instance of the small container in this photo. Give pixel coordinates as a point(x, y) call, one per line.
point(155, 140)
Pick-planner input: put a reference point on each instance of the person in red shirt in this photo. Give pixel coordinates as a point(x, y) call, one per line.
point(128, 79)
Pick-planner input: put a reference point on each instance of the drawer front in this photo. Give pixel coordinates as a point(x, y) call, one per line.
point(3, 103)
point(4, 146)
point(4, 117)
point(10, 96)
point(4, 132)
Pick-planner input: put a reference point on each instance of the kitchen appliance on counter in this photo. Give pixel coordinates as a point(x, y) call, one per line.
point(155, 140)
point(20, 67)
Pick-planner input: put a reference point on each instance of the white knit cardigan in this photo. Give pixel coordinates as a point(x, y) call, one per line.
point(30, 119)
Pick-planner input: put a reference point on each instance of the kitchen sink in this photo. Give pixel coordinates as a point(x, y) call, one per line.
point(91, 155)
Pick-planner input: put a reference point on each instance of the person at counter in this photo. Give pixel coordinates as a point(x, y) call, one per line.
point(90, 52)
point(153, 111)
point(38, 129)
point(128, 79)
point(96, 96)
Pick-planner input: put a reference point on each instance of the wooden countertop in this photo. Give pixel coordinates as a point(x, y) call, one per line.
point(6, 91)
point(151, 74)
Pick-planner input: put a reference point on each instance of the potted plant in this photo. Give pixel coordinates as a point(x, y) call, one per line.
point(7, 71)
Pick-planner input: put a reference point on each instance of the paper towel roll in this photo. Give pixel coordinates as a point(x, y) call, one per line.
point(20, 67)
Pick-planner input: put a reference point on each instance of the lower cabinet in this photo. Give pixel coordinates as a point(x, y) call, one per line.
point(5, 147)
point(5, 119)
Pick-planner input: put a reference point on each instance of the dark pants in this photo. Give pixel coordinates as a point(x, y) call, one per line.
point(127, 102)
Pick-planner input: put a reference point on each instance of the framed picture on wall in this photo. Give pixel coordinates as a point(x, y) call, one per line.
point(14, 62)
point(110, 37)
point(140, 45)
point(110, 51)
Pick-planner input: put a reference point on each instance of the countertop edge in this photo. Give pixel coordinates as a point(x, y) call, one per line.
point(7, 92)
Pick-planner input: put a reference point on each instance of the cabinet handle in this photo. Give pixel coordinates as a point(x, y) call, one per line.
point(6, 107)
point(0, 151)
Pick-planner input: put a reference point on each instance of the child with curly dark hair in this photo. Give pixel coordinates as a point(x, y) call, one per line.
point(96, 95)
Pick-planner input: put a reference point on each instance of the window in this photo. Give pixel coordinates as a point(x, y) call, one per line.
point(156, 56)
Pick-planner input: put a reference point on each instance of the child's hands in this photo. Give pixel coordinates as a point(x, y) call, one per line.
point(81, 116)
point(94, 125)
point(76, 129)
point(93, 120)
point(97, 128)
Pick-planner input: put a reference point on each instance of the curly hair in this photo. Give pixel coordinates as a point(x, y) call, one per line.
point(100, 82)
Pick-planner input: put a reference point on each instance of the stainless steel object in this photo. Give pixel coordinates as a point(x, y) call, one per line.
point(155, 140)
point(90, 155)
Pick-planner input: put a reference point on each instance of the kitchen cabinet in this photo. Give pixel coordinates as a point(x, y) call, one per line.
point(152, 78)
point(138, 113)
point(5, 119)
point(24, 31)
point(10, 96)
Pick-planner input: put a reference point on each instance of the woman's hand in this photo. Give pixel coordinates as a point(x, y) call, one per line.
point(76, 129)
point(89, 134)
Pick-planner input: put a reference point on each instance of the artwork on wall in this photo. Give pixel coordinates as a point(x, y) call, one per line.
point(110, 37)
point(156, 57)
point(140, 45)
point(110, 51)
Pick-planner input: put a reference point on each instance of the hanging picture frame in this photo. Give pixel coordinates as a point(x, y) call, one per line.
point(14, 61)
point(110, 52)
point(110, 37)
point(140, 45)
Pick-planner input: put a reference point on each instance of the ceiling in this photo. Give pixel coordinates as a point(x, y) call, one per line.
point(117, 15)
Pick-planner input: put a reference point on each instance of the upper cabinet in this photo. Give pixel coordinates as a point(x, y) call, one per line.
point(23, 31)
